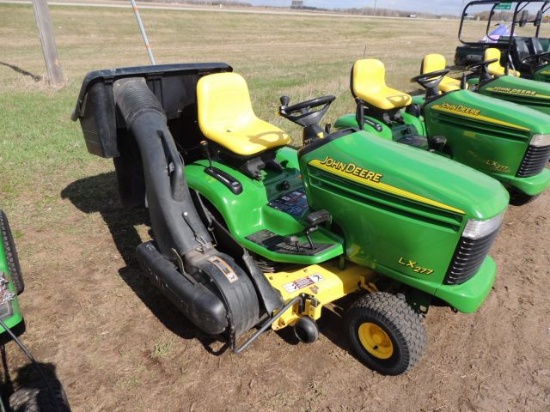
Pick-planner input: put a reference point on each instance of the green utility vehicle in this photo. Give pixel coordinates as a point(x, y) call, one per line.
point(517, 29)
point(504, 140)
point(251, 233)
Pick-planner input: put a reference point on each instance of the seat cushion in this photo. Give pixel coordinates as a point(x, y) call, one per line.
point(369, 84)
point(435, 62)
point(226, 116)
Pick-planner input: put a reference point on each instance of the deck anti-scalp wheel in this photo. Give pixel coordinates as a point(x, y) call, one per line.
point(385, 332)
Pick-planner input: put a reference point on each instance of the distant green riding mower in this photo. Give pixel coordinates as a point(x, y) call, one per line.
point(504, 140)
point(42, 392)
point(252, 233)
point(491, 79)
point(11, 285)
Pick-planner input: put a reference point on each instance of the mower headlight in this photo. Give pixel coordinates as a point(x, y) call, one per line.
point(540, 140)
point(477, 229)
point(6, 297)
point(6, 310)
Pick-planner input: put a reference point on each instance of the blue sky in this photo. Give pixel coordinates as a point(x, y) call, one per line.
point(433, 6)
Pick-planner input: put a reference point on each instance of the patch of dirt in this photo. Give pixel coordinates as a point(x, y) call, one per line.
point(118, 345)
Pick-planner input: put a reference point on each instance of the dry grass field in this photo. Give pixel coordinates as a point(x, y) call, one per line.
point(117, 345)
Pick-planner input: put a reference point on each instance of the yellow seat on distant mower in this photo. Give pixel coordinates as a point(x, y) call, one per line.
point(226, 116)
point(368, 83)
point(435, 62)
point(495, 68)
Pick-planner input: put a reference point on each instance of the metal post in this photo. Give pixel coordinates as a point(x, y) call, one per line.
point(143, 34)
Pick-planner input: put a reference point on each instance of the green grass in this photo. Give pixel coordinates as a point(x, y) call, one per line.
point(41, 149)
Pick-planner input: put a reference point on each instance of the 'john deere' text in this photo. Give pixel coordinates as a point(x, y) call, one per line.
point(352, 169)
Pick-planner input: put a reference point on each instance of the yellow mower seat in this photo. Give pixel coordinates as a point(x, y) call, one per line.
point(226, 116)
point(434, 62)
point(369, 84)
point(496, 69)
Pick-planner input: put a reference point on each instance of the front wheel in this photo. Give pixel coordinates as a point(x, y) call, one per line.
point(40, 396)
point(519, 198)
point(385, 332)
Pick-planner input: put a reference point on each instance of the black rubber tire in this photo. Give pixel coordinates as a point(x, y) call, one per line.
point(36, 397)
point(235, 289)
point(400, 323)
point(519, 198)
point(11, 254)
point(306, 330)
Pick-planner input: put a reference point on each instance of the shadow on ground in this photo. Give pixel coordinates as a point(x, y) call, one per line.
point(19, 70)
point(99, 194)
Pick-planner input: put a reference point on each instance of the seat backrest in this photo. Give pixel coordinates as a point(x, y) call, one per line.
point(544, 44)
point(226, 116)
point(521, 48)
point(495, 68)
point(435, 62)
point(368, 83)
point(537, 46)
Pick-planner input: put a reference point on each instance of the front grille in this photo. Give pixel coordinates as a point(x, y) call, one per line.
point(468, 257)
point(534, 161)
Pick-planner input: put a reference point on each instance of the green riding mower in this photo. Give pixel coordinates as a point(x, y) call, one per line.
point(504, 140)
point(37, 388)
point(11, 285)
point(491, 79)
point(251, 234)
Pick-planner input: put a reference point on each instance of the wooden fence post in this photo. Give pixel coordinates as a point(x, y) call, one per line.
point(55, 75)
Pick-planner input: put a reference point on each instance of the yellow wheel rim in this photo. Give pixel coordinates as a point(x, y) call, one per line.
point(375, 340)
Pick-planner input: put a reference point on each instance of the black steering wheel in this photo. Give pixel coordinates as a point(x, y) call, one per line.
point(483, 64)
point(535, 60)
point(430, 81)
point(303, 113)
point(483, 71)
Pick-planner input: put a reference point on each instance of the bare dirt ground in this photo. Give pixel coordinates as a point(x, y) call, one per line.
point(118, 345)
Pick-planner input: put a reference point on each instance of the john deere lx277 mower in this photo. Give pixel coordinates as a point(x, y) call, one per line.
point(250, 233)
point(504, 140)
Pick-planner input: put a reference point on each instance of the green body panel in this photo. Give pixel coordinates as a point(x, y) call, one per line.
point(487, 134)
point(395, 209)
point(468, 296)
point(16, 317)
point(530, 93)
point(385, 227)
point(491, 135)
point(249, 212)
point(531, 186)
point(543, 74)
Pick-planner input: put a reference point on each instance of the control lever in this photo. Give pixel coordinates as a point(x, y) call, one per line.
point(285, 100)
point(294, 241)
point(223, 177)
point(313, 220)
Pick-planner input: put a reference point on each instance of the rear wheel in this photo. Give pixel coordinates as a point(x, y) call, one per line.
point(11, 254)
point(385, 332)
point(235, 289)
